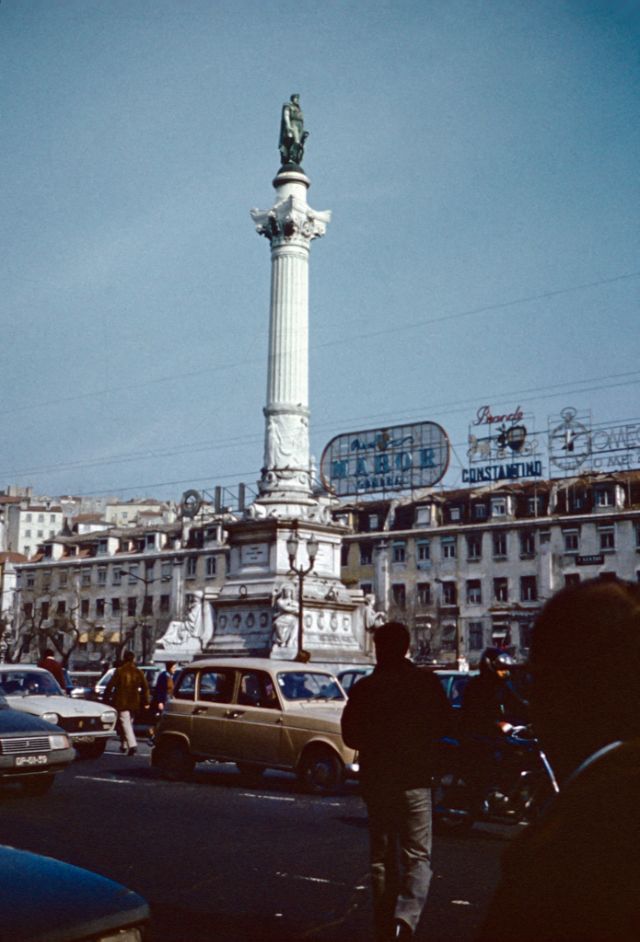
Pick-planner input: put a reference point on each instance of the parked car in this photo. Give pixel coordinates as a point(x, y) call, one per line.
point(31, 750)
point(260, 714)
point(82, 683)
point(46, 900)
point(32, 689)
point(350, 675)
point(454, 682)
point(150, 671)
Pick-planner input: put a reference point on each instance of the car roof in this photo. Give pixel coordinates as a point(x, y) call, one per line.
point(257, 663)
point(23, 667)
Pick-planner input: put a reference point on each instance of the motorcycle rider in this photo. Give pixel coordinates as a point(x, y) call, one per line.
point(491, 706)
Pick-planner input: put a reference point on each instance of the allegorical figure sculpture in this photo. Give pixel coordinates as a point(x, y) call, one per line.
point(292, 133)
point(286, 617)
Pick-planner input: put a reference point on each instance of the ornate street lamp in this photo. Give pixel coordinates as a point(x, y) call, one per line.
point(301, 571)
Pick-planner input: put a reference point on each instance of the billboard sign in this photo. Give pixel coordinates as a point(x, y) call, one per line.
point(501, 447)
point(397, 458)
point(575, 443)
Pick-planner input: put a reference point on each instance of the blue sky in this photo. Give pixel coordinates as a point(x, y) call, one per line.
point(481, 162)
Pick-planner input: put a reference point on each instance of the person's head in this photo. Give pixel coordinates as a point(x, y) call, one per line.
point(585, 664)
point(128, 657)
point(48, 652)
point(496, 663)
point(171, 666)
point(391, 642)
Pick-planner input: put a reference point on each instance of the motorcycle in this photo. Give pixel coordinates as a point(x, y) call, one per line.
point(505, 780)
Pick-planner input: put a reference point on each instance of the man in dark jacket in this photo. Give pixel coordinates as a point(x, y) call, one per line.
point(574, 876)
point(394, 718)
point(130, 692)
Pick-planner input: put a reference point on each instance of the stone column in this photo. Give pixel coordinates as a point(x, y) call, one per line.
point(290, 225)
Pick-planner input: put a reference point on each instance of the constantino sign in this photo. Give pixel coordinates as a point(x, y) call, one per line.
point(501, 447)
point(401, 457)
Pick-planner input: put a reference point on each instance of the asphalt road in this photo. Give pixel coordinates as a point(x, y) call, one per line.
point(222, 861)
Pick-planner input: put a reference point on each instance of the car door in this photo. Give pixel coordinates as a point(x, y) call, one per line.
point(255, 726)
point(212, 711)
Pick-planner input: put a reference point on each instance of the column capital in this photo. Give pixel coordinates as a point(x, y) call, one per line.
point(289, 221)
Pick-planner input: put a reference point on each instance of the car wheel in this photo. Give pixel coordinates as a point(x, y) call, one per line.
point(250, 771)
point(38, 785)
point(321, 772)
point(91, 750)
point(174, 760)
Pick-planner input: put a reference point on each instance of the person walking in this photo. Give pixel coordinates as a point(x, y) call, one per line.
point(128, 691)
point(394, 718)
point(574, 875)
point(163, 691)
point(48, 661)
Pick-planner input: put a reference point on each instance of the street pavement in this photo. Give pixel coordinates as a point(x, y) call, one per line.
point(223, 861)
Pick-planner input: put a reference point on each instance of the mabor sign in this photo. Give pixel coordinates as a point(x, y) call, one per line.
point(402, 457)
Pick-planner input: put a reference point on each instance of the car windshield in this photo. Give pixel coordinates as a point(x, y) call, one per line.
point(28, 683)
point(308, 685)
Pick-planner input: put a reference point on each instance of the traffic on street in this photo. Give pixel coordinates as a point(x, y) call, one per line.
point(223, 859)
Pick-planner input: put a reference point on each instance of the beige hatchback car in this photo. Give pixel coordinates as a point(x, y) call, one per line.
point(259, 714)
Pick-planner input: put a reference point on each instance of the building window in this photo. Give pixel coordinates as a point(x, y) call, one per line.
point(165, 603)
point(52, 518)
point(500, 545)
point(102, 576)
point(116, 576)
point(27, 517)
point(131, 605)
point(399, 594)
point(27, 534)
point(366, 554)
point(40, 518)
point(527, 543)
point(30, 580)
point(61, 607)
point(115, 606)
point(603, 497)
point(501, 589)
point(211, 567)
point(528, 589)
point(28, 609)
point(150, 541)
point(474, 546)
point(192, 566)
point(499, 507)
point(85, 578)
point(455, 514)
point(367, 588)
point(534, 506)
point(572, 578)
point(147, 605)
point(474, 592)
point(423, 515)
point(132, 572)
point(44, 610)
point(40, 534)
point(165, 572)
point(100, 607)
point(607, 539)
point(102, 548)
point(423, 593)
point(63, 578)
point(374, 521)
point(480, 511)
point(476, 636)
point(399, 551)
point(449, 593)
point(84, 608)
point(424, 550)
point(448, 547)
point(570, 538)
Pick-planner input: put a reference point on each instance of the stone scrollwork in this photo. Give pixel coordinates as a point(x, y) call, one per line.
point(291, 218)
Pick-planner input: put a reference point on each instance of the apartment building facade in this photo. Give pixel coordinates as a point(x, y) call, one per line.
point(468, 568)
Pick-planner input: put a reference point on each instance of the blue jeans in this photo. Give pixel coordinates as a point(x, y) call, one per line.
point(400, 846)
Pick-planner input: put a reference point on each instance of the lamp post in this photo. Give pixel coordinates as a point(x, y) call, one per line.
point(146, 582)
point(301, 571)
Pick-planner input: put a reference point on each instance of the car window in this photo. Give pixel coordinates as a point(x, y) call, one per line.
point(256, 689)
point(308, 685)
point(216, 686)
point(29, 683)
point(456, 691)
point(185, 688)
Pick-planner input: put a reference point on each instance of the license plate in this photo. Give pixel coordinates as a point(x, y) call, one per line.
point(31, 760)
